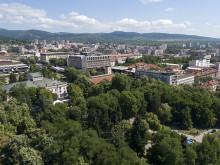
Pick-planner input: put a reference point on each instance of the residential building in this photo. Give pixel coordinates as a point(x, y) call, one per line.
point(47, 56)
point(168, 77)
point(37, 80)
point(88, 61)
point(204, 61)
point(18, 49)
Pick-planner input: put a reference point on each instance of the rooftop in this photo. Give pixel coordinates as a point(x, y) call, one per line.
point(98, 79)
point(45, 82)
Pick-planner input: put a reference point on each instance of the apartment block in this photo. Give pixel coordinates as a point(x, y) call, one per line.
point(88, 61)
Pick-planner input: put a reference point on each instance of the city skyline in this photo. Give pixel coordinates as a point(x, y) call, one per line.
point(195, 17)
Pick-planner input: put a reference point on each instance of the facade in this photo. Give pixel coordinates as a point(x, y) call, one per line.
point(87, 62)
point(18, 49)
point(3, 55)
point(37, 80)
point(168, 77)
point(47, 56)
point(8, 66)
point(204, 61)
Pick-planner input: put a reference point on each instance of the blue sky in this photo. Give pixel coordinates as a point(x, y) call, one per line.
point(197, 17)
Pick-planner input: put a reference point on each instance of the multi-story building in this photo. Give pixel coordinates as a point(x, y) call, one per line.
point(88, 61)
point(37, 80)
point(47, 56)
point(168, 77)
point(18, 49)
point(2, 55)
point(204, 61)
point(8, 66)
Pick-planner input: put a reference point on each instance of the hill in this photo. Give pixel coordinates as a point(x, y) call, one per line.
point(117, 36)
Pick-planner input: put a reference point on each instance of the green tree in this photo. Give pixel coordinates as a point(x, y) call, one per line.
point(12, 78)
point(71, 73)
point(15, 117)
point(164, 113)
point(208, 151)
point(186, 121)
point(121, 82)
point(128, 104)
point(153, 121)
point(19, 151)
point(45, 98)
point(168, 152)
point(139, 136)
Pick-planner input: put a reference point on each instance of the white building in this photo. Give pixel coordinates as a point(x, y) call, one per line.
point(168, 77)
point(37, 80)
point(204, 61)
point(88, 61)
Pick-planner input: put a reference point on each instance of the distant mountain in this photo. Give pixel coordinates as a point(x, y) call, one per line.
point(117, 36)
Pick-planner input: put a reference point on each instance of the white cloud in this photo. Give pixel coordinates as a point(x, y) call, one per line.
point(207, 23)
point(149, 1)
point(27, 16)
point(188, 23)
point(169, 9)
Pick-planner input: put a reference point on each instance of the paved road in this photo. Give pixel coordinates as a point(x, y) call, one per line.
point(197, 138)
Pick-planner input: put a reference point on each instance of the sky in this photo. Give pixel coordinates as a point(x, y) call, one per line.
point(194, 17)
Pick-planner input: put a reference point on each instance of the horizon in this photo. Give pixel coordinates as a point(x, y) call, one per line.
point(92, 16)
point(108, 32)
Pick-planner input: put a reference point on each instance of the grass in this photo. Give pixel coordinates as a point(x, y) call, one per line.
point(194, 131)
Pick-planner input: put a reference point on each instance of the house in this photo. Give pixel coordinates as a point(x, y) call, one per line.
point(37, 80)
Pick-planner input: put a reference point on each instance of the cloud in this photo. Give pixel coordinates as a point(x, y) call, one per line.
point(169, 9)
point(149, 1)
point(15, 13)
point(161, 25)
point(207, 23)
point(188, 23)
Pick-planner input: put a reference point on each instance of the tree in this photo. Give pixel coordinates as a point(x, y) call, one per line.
point(84, 83)
point(74, 113)
point(139, 136)
point(19, 151)
point(164, 113)
point(118, 138)
point(45, 98)
point(20, 92)
point(186, 121)
point(12, 78)
point(71, 73)
point(74, 91)
point(153, 121)
point(190, 156)
point(128, 104)
point(15, 117)
point(121, 82)
point(208, 151)
point(168, 152)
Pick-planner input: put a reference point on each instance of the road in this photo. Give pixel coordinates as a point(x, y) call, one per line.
point(197, 138)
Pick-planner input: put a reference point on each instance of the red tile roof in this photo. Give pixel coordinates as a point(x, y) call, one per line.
point(99, 79)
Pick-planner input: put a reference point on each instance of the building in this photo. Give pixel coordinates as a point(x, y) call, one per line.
point(99, 78)
point(8, 66)
point(17, 49)
point(199, 72)
point(3, 55)
point(204, 61)
point(37, 80)
point(88, 61)
point(170, 78)
point(47, 56)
